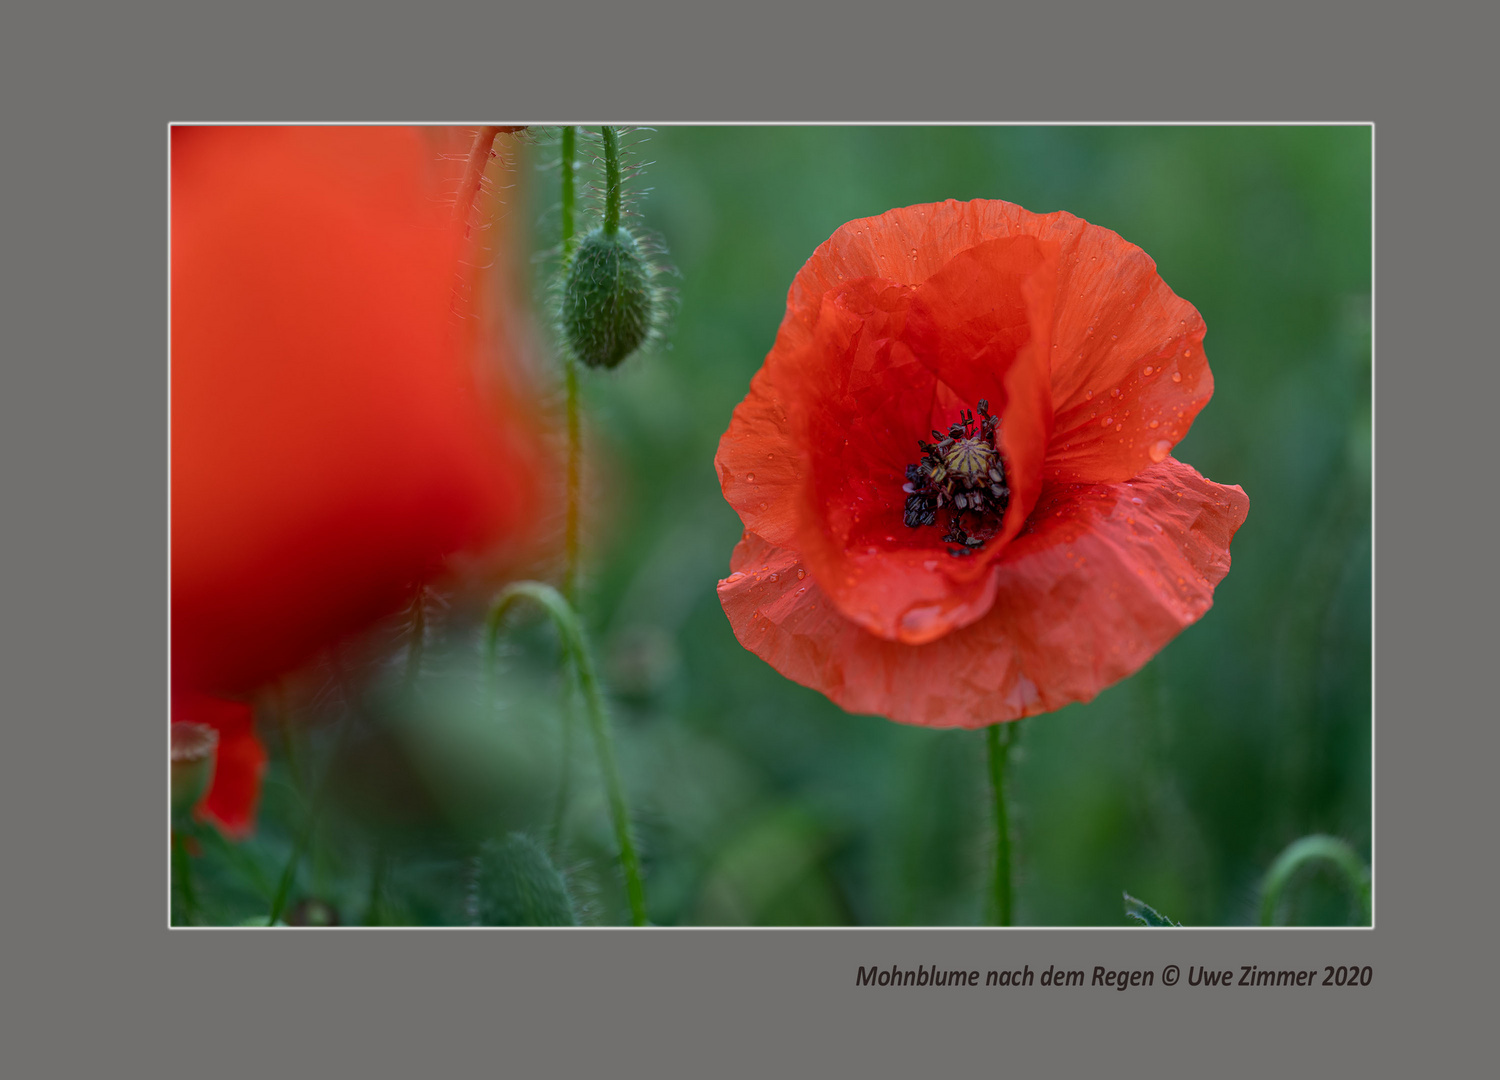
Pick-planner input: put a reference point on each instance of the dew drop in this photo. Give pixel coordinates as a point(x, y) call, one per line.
point(1176, 376)
point(918, 619)
point(1160, 449)
point(736, 576)
point(1137, 500)
point(1187, 352)
point(1108, 420)
point(750, 478)
point(802, 590)
point(774, 577)
point(1088, 393)
point(770, 457)
point(801, 574)
point(1115, 392)
point(1155, 423)
point(1148, 370)
point(762, 506)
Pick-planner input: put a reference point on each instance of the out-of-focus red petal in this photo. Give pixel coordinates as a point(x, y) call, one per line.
point(329, 444)
point(240, 761)
point(1104, 577)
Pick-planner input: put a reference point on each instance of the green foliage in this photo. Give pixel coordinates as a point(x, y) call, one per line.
point(1143, 912)
point(515, 884)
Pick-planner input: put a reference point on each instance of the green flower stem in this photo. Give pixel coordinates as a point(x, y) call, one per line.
point(1309, 849)
point(569, 153)
point(570, 375)
point(182, 871)
point(1000, 738)
point(571, 633)
point(612, 183)
point(377, 883)
point(309, 826)
point(573, 494)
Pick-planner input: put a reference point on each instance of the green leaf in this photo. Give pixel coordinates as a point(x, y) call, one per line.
point(1144, 912)
point(515, 884)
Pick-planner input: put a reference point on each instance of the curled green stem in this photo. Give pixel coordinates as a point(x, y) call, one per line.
point(1314, 848)
point(999, 739)
point(571, 632)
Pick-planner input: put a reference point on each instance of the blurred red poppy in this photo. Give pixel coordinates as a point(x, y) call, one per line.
point(954, 468)
point(334, 438)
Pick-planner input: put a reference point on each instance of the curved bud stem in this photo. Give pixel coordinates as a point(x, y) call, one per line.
point(1309, 849)
point(571, 632)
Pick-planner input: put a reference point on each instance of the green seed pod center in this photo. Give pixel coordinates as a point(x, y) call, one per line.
point(608, 304)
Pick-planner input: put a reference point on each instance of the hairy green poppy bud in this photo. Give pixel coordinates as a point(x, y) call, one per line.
point(608, 301)
point(515, 884)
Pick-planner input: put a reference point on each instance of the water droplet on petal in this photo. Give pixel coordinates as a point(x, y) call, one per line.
point(774, 577)
point(736, 576)
point(801, 574)
point(1115, 392)
point(1148, 370)
point(1155, 423)
point(918, 619)
point(1088, 393)
point(1108, 420)
point(1160, 449)
point(1138, 500)
point(750, 478)
point(1176, 376)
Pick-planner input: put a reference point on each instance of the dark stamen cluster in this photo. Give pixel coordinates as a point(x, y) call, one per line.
point(963, 476)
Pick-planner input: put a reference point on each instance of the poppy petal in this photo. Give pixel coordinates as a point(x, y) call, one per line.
point(883, 366)
point(239, 764)
point(1103, 578)
point(330, 443)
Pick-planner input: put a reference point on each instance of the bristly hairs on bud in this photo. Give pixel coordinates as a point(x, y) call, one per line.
point(612, 301)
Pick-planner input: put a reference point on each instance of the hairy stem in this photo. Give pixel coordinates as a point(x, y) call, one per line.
point(570, 377)
point(478, 160)
point(612, 183)
point(309, 826)
point(418, 636)
point(183, 874)
point(1000, 738)
point(568, 155)
point(571, 632)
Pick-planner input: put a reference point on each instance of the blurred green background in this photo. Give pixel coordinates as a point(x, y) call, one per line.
point(757, 801)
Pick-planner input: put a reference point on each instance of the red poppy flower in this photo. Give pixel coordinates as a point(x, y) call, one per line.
point(332, 437)
point(954, 468)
